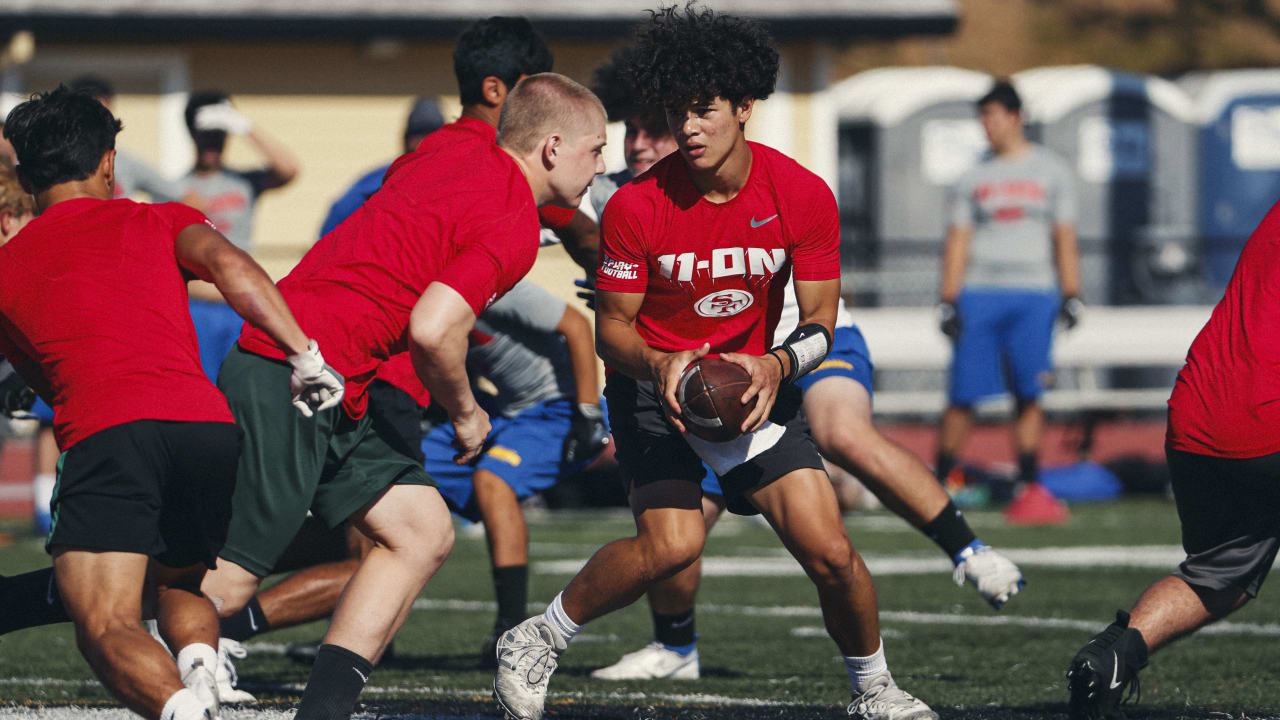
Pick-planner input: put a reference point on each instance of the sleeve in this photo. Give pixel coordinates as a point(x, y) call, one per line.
point(960, 203)
point(179, 217)
point(530, 306)
point(816, 254)
point(493, 256)
point(554, 217)
point(258, 179)
point(1064, 194)
point(624, 265)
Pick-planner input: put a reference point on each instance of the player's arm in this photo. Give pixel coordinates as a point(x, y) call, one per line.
point(28, 374)
point(955, 258)
point(246, 287)
point(1066, 257)
point(587, 433)
point(622, 348)
point(438, 328)
point(282, 166)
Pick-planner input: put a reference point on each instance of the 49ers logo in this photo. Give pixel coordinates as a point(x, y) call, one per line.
point(724, 303)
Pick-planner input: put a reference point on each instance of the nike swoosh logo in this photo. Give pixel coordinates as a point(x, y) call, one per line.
point(1115, 668)
point(757, 223)
point(363, 677)
point(252, 623)
point(682, 623)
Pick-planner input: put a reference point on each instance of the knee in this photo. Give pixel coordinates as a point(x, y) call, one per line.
point(425, 537)
point(230, 587)
point(830, 562)
point(852, 446)
point(101, 623)
point(670, 553)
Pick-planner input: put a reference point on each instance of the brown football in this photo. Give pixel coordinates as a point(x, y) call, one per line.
point(710, 393)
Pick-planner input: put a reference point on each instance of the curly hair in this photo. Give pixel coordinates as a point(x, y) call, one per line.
point(60, 136)
point(696, 54)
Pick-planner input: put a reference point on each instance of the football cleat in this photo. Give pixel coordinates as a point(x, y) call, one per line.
point(225, 674)
point(1104, 669)
point(527, 655)
point(884, 700)
point(996, 577)
point(199, 680)
point(653, 661)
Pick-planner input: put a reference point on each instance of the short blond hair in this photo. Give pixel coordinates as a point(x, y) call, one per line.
point(543, 104)
point(13, 199)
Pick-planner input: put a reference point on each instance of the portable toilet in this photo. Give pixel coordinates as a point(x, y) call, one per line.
point(905, 136)
point(1131, 141)
point(1238, 125)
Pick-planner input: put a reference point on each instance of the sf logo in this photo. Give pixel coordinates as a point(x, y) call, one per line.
point(724, 303)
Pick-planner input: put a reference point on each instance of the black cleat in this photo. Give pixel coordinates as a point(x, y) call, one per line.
point(1104, 669)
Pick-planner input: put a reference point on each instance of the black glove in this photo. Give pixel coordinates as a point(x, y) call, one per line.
point(948, 320)
point(588, 292)
point(15, 397)
point(587, 434)
point(1071, 312)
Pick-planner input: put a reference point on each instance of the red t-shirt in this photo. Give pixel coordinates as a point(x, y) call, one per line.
point(91, 290)
point(457, 210)
point(1226, 400)
point(713, 272)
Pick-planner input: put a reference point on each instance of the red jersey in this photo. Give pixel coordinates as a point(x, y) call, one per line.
point(717, 272)
point(1226, 400)
point(91, 290)
point(457, 210)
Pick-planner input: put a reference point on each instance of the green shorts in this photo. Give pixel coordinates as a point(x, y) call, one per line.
point(329, 464)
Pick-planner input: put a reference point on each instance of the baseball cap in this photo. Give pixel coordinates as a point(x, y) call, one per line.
point(424, 119)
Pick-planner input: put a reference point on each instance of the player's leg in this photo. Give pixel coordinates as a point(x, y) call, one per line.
point(507, 535)
point(673, 653)
point(1229, 510)
point(187, 621)
point(839, 410)
point(1027, 345)
point(975, 374)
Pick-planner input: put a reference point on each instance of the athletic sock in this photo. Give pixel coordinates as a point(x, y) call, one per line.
point(674, 631)
point(194, 653)
point(950, 531)
point(29, 600)
point(511, 587)
point(1028, 467)
point(943, 465)
point(337, 677)
point(183, 705)
point(558, 619)
point(862, 669)
point(245, 623)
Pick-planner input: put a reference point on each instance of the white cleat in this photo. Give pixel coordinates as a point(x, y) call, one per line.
point(994, 575)
point(884, 700)
point(225, 674)
point(653, 661)
point(199, 680)
point(527, 655)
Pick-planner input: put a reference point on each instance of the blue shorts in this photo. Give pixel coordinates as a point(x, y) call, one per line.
point(524, 451)
point(217, 329)
point(849, 357)
point(1004, 343)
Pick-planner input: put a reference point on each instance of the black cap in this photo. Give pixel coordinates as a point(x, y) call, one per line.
point(424, 119)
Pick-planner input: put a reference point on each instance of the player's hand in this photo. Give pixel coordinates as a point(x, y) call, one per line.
point(224, 117)
point(766, 376)
point(16, 399)
point(666, 373)
point(1071, 312)
point(587, 436)
point(314, 385)
point(469, 431)
point(588, 291)
point(949, 320)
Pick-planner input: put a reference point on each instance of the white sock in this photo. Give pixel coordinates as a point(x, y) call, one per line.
point(556, 616)
point(195, 653)
point(183, 705)
point(862, 669)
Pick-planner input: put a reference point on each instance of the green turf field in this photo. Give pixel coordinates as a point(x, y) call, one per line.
point(764, 653)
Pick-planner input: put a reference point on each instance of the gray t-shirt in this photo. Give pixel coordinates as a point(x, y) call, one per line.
point(516, 347)
point(1013, 204)
point(134, 176)
point(227, 197)
point(603, 188)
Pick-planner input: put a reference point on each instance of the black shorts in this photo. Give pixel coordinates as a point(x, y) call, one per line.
point(649, 448)
point(397, 417)
point(152, 487)
point(1230, 513)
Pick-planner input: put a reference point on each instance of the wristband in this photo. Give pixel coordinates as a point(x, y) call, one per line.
point(807, 346)
point(591, 411)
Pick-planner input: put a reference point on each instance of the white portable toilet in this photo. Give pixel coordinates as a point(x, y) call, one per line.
point(1130, 140)
point(906, 134)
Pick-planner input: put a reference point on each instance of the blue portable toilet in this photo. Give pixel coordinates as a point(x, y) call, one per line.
point(1130, 140)
point(1238, 114)
point(906, 134)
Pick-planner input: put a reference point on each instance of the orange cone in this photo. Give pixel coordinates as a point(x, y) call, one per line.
point(1035, 505)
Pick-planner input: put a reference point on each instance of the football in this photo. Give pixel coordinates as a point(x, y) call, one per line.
point(710, 393)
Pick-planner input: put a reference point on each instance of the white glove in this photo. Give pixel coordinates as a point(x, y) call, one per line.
point(222, 116)
point(314, 385)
